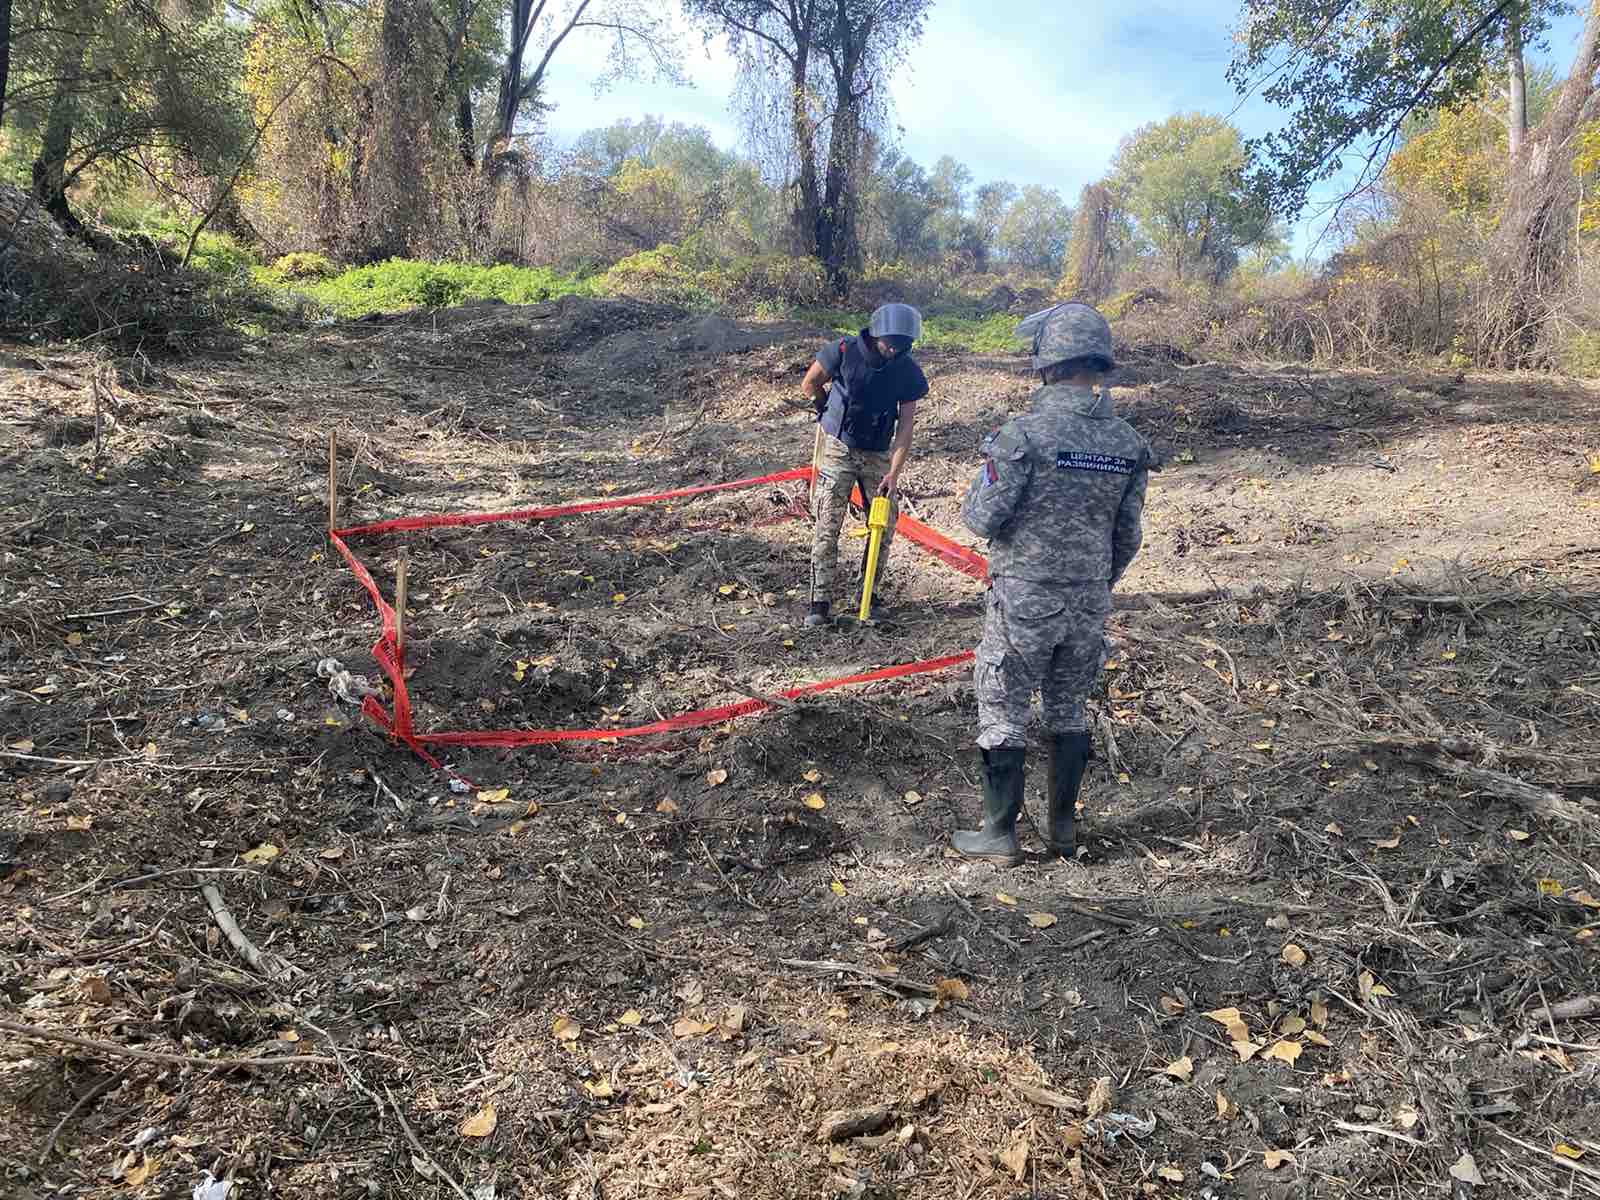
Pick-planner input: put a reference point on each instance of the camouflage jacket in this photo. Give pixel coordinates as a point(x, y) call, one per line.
point(1060, 495)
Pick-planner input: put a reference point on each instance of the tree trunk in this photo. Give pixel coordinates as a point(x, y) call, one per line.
point(1517, 91)
point(5, 54)
point(50, 167)
point(808, 194)
point(1532, 236)
point(395, 189)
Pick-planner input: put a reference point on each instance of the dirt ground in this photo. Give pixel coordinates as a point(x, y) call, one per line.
point(1333, 933)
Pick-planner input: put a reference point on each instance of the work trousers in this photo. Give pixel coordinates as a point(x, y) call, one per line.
point(1038, 636)
point(840, 468)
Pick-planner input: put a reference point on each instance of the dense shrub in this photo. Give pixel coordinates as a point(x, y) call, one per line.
point(404, 283)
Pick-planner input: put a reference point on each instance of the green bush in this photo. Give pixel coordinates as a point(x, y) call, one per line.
point(1579, 355)
point(302, 264)
point(663, 275)
point(405, 283)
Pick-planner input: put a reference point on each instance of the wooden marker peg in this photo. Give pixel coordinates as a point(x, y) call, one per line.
point(333, 480)
point(400, 606)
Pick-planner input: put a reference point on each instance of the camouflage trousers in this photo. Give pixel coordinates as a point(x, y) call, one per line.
point(839, 468)
point(1038, 636)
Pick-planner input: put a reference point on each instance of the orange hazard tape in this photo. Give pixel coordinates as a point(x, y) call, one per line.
point(398, 723)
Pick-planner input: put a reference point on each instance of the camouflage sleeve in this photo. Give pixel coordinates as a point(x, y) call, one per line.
point(1128, 535)
point(998, 488)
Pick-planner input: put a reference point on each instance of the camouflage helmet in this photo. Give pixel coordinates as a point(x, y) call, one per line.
point(1065, 332)
point(896, 320)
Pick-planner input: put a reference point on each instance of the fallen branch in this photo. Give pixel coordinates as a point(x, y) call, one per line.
point(88, 1098)
point(155, 1056)
point(271, 965)
point(1577, 1009)
point(421, 1153)
point(837, 1126)
point(1537, 800)
point(828, 966)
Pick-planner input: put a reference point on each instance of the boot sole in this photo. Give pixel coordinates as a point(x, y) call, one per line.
point(1009, 860)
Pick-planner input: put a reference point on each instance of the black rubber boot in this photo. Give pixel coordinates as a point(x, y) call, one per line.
point(1003, 775)
point(819, 614)
point(1069, 757)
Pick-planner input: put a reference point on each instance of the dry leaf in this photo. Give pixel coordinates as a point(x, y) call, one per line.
point(1182, 1069)
point(25, 746)
point(1584, 898)
point(950, 989)
point(692, 992)
point(80, 824)
point(619, 597)
point(1005, 899)
point(137, 1175)
point(1407, 1118)
point(481, 1124)
point(1246, 1050)
point(837, 888)
point(717, 777)
point(1518, 835)
point(812, 776)
point(1572, 1152)
point(74, 639)
point(1465, 1169)
point(733, 1021)
point(288, 1035)
point(600, 1089)
point(1319, 1014)
point(494, 796)
point(913, 797)
point(96, 990)
point(1100, 1097)
point(1293, 955)
point(263, 853)
point(1273, 1159)
point(1230, 1020)
point(1041, 920)
point(1315, 1038)
point(815, 801)
point(1333, 828)
point(632, 1018)
point(685, 1027)
point(1550, 887)
point(668, 805)
point(566, 1029)
point(1388, 843)
point(1171, 1005)
point(1169, 1174)
point(635, 922)
point(726, 589)
point(1284, 1051)
point(1227, 1110)
point(1290, 1026)
point(1015, 1159)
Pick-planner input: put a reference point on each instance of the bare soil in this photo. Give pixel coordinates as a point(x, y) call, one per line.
point(1347, 777)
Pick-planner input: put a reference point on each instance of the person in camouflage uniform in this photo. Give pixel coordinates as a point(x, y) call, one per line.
point(1060, 497)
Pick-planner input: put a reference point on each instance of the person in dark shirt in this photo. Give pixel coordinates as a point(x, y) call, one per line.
point(865, 391)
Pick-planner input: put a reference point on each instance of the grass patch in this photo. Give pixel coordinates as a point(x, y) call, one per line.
point(404, 283)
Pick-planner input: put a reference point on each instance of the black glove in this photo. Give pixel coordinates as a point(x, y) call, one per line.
point(820, 405)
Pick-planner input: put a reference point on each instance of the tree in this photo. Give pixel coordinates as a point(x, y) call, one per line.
point(635, 27)
point(988, 210)
point(1353, 71)
point(93, 87)
point(1100, 235)
point(1183, 183)
point(1033, 233)
point(815, 71)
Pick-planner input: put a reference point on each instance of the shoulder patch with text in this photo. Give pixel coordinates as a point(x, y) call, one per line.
point(1105, 464)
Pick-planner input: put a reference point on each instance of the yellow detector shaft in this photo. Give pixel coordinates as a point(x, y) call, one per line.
point(877, 523)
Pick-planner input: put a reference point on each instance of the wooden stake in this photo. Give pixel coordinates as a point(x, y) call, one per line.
point(333, 480)
point(400, 606)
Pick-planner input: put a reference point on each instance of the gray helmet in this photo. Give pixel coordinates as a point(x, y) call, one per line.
point(1065, 332)
point(896, 320)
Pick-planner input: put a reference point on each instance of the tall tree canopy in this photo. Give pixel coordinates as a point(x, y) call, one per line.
point(815, 72)
point(1183, 182)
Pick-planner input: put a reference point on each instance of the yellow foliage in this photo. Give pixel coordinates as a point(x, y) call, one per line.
point(1460, 160)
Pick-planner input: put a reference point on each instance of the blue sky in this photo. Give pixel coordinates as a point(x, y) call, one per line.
point(1036, 92)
